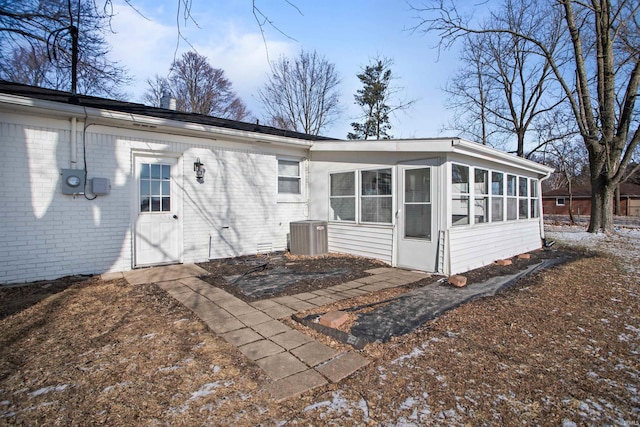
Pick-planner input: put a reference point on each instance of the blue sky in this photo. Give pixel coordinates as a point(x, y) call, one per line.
point(348, 33)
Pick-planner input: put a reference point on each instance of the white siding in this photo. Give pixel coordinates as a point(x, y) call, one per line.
point(367, 241)
point(473, 247)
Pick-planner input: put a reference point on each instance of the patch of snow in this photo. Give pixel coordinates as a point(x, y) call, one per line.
point(568, 423)
point(339, 405)
point(148, 336)
point(5, 402)
point(408, 403)
point(414, 353)
point(216, 369)
point(49, 389)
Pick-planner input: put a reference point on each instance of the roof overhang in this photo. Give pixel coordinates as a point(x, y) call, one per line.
point(436, 146)
point(108, 117)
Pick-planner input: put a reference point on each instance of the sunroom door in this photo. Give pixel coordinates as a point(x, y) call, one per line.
point(157, 225)
point(417, 237)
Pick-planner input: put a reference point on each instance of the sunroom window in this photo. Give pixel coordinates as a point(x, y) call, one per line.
point(375, 196)
point(343, 196)
point(535, 210)
point(512, 197)
point(523, 198)
point(481, 196)
point(460, 195)
point(497, 196)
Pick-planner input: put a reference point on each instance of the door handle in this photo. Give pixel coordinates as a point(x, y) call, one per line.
point(175, 217)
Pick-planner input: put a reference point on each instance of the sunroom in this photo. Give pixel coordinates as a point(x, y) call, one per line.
point(437, 205)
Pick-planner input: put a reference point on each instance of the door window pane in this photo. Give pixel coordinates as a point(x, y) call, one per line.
point(155, 188)
point(417, 186)
point(417, 221)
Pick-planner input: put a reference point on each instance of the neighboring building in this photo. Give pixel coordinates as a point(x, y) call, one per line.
point(556, 202)
point(94, 185)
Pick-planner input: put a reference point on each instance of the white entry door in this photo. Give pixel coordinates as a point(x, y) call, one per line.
point(416, 218)
point(157, 235)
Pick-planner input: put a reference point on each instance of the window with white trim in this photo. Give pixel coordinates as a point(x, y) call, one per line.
point(481, 196)
point(523, 197)
point(560, 201)
point(497, 196)
point(376, 200)
point(512, 197)
point(535, 207)
point(342, 196)
point(289, 177)
point(459, 194)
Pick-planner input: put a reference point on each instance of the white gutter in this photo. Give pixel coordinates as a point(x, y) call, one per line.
point(143, 122)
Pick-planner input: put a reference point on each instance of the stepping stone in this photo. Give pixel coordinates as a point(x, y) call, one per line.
point(314, 353)
point(291, 339)
point(225, 325)
point(264, 304)
point(270, 328)
point(295, 385)
point(342, 366)
point(260, 349)
point(241, 336)
point(281, 365)
point(320, 301)
point(254, 318)
point(279, 312)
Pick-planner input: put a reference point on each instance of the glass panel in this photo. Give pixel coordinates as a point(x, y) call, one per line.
point(166, 204)
point(144, 170)
point(534, 188)
point(460, 210)
point(460, 178)
point(155, 171)
point(144, 204)
point(522, 209)
point(155, 204)
point(288, 168)
point(155, 188)
point(166, 172)
point(343, 209)
point(481, 210)
point(511, 185)
point(343, 184)
point(417, 185)
point(534, 208)
point(497, 209)
point(376, 183)
point(376, 209)
point(481, 182)
point(144, 188)
point(497, 183)
point(512, 208)
point(523, 186)
point(166, 188)
point(417, 221)
point(289, 185)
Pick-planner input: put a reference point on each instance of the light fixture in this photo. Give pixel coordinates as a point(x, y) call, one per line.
point(199, 170)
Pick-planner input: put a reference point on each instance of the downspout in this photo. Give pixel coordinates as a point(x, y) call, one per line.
point(74, 143)
point(542, 236)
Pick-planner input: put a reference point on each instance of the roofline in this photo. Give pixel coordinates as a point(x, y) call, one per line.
point(145, 122)
point(432, 145)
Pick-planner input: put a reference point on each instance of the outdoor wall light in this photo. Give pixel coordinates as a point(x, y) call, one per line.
point(199, 170)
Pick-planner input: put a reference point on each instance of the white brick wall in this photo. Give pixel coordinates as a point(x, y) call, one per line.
point(45, 234)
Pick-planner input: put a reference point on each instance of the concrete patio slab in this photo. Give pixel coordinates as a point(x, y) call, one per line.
point(300, 306)
point(295, 385)
point(107, 277)
point(314, 353)
point(260, 349)
point(279, 312)
point(241, 337)
point(291, 339)
point(342, 366)
point(174, 286)
point(281, 365)
point(163, 274)
point(225, 325)
point(264, 304)
point(305, 296)
point(380, 270)
point(320, 301)
point(254, 318)
point(271, 328)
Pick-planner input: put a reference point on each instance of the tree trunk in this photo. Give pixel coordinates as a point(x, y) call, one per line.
point(617, 198)
point(601, 206)
point(571, 218)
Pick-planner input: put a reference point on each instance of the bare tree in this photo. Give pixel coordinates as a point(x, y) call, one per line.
point(44, 33)
point(377, 99)
point(598, 73)
point(301, 94)
point(198, 88)
point(157, 87)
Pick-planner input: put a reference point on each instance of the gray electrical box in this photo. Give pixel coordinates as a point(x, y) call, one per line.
point(100, 186)
point(72, 181)
point(308, 237)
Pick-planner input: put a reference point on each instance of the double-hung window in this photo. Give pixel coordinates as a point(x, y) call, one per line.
point(289, 177)
point(342, 199)
point(376, 202)
point(523, 198)
point(535, 209)
point(460, 194)
point(497, 196)
point(512, 197)
point(481, 196)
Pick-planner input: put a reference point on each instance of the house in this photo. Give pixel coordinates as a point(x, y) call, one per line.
point(94, 185)
point(556, 202)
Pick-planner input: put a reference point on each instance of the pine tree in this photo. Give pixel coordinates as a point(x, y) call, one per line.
point(373, 99)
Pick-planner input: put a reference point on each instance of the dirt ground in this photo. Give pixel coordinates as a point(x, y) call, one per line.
point(562, 347)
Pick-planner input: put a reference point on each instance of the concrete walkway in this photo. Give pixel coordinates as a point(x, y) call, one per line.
point(295, 362)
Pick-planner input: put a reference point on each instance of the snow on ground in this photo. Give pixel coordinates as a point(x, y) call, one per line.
point(625, 243)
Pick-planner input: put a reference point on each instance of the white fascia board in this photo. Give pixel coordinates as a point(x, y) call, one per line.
point(142, 122)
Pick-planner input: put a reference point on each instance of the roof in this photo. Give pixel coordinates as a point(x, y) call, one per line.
point(626, 190)
point(144, 110)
